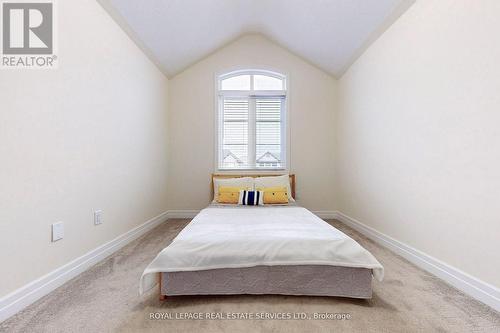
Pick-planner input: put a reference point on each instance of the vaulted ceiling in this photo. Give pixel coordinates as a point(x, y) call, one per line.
point(330, 34)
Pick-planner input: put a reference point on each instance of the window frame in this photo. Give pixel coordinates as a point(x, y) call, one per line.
point(251, 94)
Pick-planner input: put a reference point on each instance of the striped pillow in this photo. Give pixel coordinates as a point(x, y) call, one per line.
point(251, 198)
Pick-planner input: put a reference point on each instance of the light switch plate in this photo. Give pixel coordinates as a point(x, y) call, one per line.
point(98, 217)
point(57, 231)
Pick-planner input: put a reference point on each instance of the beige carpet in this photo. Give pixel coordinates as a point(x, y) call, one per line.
point(105, 299)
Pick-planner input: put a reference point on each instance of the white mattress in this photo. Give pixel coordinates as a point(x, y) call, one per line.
point(239, 236)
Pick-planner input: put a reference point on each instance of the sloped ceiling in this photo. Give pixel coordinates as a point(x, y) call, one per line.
point(330, 34)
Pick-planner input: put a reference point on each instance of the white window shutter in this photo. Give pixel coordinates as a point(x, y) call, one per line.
point(268, 134)
point(234, 145)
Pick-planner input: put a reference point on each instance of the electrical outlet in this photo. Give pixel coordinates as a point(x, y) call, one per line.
point(98, 217)
point(57, 231)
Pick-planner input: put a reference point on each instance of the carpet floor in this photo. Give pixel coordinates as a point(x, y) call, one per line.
point(105, 299)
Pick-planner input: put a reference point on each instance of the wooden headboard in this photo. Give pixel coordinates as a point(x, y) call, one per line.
point(214, 175)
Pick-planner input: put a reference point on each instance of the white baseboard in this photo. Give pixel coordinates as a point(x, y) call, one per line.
point(468, 284)
point(182, 214)
point(31, 292)
point(326, 214)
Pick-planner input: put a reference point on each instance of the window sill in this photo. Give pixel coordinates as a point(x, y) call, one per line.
point(251, 171)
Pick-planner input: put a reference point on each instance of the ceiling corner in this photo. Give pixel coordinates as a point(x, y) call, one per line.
point(121, 22)
point(377, 33)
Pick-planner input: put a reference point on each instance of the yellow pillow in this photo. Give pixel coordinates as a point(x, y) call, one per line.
point(274, 195)
point(229, 194)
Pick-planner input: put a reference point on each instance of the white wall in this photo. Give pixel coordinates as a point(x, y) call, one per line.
point(192, 114)
point(418, 134)
point(89, 135)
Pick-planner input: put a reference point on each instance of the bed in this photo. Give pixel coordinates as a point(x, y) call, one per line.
point(284, 249)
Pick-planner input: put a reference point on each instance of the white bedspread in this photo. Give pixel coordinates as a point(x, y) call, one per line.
point(226, 237)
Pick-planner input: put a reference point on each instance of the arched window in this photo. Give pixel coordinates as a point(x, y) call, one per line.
point(251, 120)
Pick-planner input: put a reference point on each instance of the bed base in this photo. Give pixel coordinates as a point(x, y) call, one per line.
point(304, 280)
point(160, 279)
